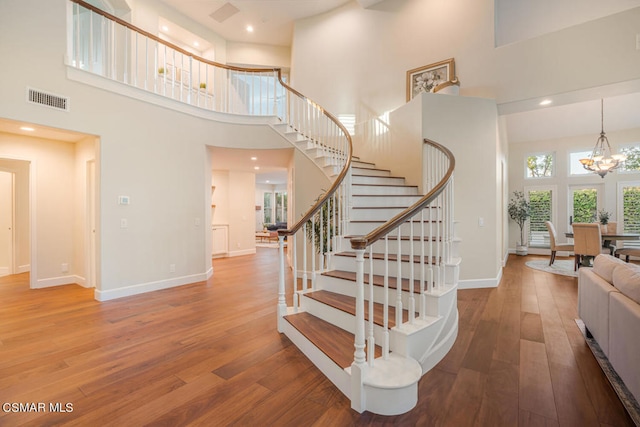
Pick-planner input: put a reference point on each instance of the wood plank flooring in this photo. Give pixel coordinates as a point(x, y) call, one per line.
point(209, 354)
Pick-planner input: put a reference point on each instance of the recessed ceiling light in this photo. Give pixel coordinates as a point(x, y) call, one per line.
point(250, 28)
point(256, 167)
point(267, 181)
point(196, 44)
point(254, 158)
point(27, 128)
point(546, 102)
point(165, 28)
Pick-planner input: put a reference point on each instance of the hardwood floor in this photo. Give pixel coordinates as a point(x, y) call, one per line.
point(209, 354)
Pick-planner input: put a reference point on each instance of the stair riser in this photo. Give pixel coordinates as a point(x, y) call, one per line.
point(383, 201)
point(371, 171)
point(337, 317)
point(377, 180)
point(374, 214)
point(348, 287)
point(362, 228)
point(383, 190)
point(345, 263)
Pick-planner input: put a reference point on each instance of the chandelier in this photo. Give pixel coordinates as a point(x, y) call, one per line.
point(601, 160)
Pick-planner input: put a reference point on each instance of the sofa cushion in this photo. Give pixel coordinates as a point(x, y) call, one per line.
point(626, 278)
point(604, 265)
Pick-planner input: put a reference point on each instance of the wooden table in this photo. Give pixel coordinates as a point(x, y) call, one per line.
point(607, 238)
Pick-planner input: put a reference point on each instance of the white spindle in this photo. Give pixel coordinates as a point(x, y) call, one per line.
point(359, 356)
point(385, 308)
point(371, 342)
point(399, 282)
point(282, 304)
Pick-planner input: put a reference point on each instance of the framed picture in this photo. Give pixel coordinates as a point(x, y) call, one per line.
point(427, 78)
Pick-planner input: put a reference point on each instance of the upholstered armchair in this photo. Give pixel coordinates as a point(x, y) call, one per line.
point(555, 246)
point(587, 241)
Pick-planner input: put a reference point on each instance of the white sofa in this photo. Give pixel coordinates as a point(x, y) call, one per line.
point(609, 306)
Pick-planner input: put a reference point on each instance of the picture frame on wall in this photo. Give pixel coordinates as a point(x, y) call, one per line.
point(429, 77)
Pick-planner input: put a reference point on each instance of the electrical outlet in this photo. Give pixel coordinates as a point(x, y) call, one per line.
point(124, 223)
point(172, 268)
point(64, 267)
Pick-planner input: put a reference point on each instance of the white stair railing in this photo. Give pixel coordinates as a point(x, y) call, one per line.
point(420, 268)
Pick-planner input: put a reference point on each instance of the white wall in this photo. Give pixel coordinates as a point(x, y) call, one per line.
point(151, 153)
point(468, 127)
point(242, 190)
point(353, 56)
point(55, 209)
point(518, 20)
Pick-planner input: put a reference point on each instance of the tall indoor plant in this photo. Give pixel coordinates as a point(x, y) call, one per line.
point(520, 211)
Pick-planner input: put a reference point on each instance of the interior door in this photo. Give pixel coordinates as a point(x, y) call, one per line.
point(6, 223)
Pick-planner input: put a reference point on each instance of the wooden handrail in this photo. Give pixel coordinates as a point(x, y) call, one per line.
point(330, 116)
point(396, 221)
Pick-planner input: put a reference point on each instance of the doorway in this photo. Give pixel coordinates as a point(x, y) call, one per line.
point(7, 201)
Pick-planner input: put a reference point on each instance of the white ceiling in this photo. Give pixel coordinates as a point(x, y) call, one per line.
point(272, 20)
point(579, 118)
point(272, 164)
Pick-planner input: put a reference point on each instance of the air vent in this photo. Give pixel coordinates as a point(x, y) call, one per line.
point(50, 100)
point(224, 13)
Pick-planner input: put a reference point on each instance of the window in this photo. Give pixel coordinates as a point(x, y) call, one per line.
point(584, 204)
point(629, 203)
point(575, 167)
point(539, 165)
point(541, 203)
point(281, 207)
point(268, 208)
point(632, 163)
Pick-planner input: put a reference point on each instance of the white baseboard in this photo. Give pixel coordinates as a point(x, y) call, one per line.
point(24, 268)
point(142, 288)
point(59, 281)
point(4, 271)
point(243, 252)
point(480, 283)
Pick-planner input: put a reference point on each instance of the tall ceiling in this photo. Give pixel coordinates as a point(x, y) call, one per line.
point(272, 20)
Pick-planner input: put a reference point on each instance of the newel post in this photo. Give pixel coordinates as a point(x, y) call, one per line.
point(282, 304)
point(359, 365)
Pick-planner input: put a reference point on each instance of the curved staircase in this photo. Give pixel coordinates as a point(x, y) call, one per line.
point(324, 323)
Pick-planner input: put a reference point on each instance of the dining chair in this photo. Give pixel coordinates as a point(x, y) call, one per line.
point(587, 241)
point(553, 240)
point(627, 252)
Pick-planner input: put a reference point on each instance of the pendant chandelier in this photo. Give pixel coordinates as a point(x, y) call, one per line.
point(601, 160)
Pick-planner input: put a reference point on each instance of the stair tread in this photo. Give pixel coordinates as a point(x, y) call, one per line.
point(348, 305)
point(386, 185)
point(334, 342)
point(378, 280)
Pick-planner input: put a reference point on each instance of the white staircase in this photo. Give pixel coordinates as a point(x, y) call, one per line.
point(324, 324)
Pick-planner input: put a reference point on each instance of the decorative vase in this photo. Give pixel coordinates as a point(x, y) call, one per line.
point(603, 228)
point(521, 249)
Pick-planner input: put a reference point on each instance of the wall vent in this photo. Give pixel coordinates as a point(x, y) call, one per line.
point(51, 100)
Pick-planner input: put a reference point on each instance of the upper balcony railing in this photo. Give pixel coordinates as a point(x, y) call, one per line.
point(103, 44)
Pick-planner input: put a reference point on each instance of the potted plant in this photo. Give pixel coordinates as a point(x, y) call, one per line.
point(519, 211)
point(603, 217)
